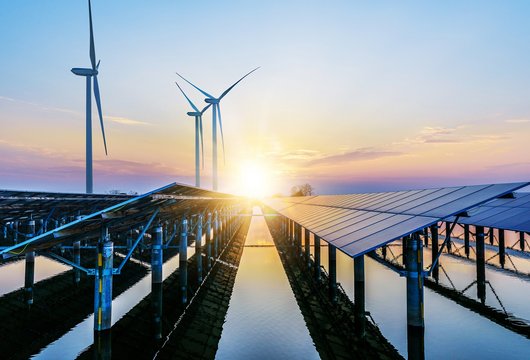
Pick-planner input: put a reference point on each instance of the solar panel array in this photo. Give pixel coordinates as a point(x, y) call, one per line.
point(171, 201)
point(23, 205)
point(359, 223)
point(506, 213)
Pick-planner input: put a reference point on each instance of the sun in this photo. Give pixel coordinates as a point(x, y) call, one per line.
point(254, 180)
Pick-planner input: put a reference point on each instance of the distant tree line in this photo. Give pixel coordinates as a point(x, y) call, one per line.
point(302, 190)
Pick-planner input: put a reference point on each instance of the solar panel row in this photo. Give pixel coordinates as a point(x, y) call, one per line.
point(359, 223)
point(507, 213)
point(172, 200)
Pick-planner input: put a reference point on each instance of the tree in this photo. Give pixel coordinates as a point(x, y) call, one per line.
point(303, 190)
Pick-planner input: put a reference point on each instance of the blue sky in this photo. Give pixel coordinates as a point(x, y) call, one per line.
point(351, 95)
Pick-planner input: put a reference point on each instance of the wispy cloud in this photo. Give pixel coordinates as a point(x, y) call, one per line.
point(517, 121)
point(456, 135)
point(115, 119)
point(126, 121)
point(515, 165)
point(355, 155)
point(23, 164)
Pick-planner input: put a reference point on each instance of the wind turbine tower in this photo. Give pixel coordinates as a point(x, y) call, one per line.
point(216, 113)
point(91, 74)
point(198, 132)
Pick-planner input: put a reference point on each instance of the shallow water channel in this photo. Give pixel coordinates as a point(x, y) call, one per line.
point(263, 319)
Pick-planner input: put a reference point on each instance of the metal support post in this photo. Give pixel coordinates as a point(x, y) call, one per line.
point(198, 249)
point(415, 317)
point(77, 260)
point(216, 235)
point(317, 258)
point(129, 239)
point(521, 240)
point(223, 229)
point(481, 264)
point(434, 252)
point(426, 237)
point(156, 255)
point(29, 277)
point(183, 261)
point(502, 248)
point(404, 250)
point(307, 248)
point(156, 279)
point(448, 236)
point(466, 240)
point(491, 235)
point(299, 240)
point(15, 235)
point(103, 283)
point(209, 241)
point(332, 251)
point(359, 298)
point(291, 233)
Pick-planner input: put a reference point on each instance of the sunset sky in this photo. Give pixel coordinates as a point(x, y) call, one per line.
point(350, 96)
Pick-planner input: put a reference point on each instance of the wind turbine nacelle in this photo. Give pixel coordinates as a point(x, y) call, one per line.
point(193, 113)
point(211, 101)
point(84, 72)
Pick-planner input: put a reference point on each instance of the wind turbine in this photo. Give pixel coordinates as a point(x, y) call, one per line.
point(89, 74)
point(198, 131)
point(216, 112)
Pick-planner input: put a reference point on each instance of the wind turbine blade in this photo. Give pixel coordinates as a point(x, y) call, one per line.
point(92, 47)
point(204, 92)
point(187, 98)
point(205, 108)
point(202, 141)
point(237, 82)
point(221, 128)
point(98, 103)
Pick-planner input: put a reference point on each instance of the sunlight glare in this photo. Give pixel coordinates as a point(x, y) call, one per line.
point(254, 180)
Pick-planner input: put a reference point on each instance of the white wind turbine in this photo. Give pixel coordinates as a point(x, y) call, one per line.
point(89, 74)
point(198, 132)
point(216, 112)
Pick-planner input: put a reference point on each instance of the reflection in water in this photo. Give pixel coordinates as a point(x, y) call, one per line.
point(81, 336)
point(263, 320)
point(12, 274)
point(451, 331)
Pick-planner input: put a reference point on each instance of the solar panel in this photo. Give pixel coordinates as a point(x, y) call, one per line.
point(171, 200)
point(23, 205)
point(505, 213)
point(359, 223)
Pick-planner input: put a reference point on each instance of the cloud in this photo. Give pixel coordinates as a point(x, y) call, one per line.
point(355, 155)
point(126, 121)
point(516, 165)
point(443, 135)
point(438, 135)
point(115, 119)
point(517, 121)
point(23, 166)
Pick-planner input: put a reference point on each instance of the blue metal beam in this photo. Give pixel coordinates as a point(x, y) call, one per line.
point(140, 236)
point(68, 262)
